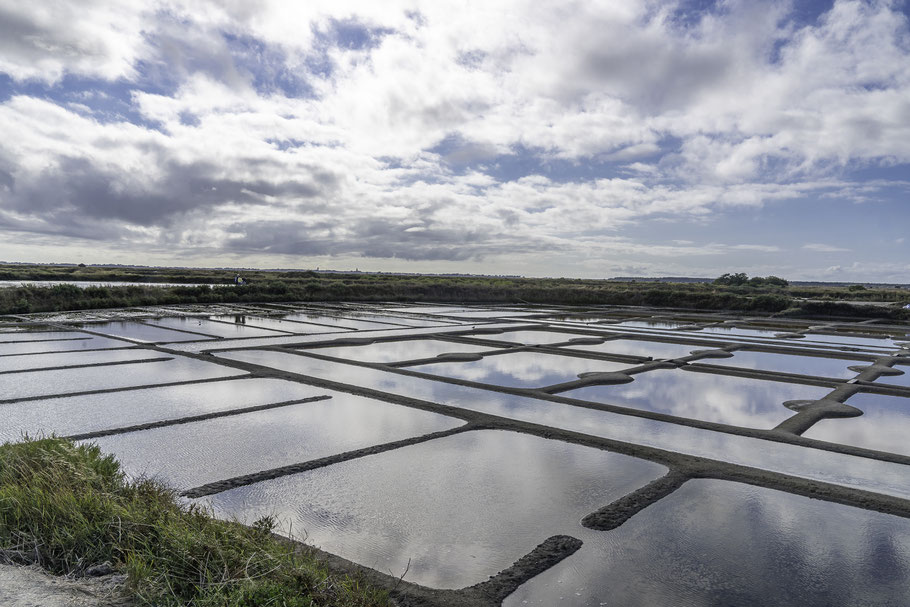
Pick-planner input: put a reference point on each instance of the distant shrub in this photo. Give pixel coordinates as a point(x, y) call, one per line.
point(741, 279)
point(732, 280)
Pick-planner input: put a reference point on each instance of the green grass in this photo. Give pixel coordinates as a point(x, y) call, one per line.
point(68, 507)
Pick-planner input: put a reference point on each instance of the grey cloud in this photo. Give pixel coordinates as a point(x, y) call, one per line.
point(42, 41)
point(371, 237)
point(652, 77)
point(89, 193)
point(182, 49)
point(24, 41)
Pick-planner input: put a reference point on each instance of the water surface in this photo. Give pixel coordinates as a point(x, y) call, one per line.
point(189, 455)
point(837, 468)
point(845, 338)
point(737, 331)
point(521, 369)
point(64, 342)
point(61, 359)
point(638, 347)
point(336, 322)
point(138, 331)
point(94, 412)
point(790, 363)
point(649, 324)
point(721, 543)
point(395, 351)
point(203, 325)
point(62, 381)
point(883, 426)
point(897, 380)
point(530, 338)
point(738, 401)
point(460, 508)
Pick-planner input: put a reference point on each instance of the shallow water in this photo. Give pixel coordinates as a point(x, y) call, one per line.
point(336, 322)
point(897, 380)
point(318, 337)
point(638, 347)
point(8, 335)
point(648, 324)
point(422, 502)
point(845, 338)
point(65, 342)
point(396, 351)
point(531, 337)
point(189, 455)
point(203, 325)
point(789, 363)
point(837, 468)
point(94, 412)
point(521, 369)
point(63, 381)
point(737, 331)
point(139, 332)
point(42, 361)
point(405, 321)
point(722, 543)
point(738, 401)
point(448, 310)
point(883, 426)
point(493, 314)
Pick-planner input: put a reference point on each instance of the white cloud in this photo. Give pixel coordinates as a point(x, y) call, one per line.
point(756, 247)
point(43, 41)
point(824, 248)
point(736, 111)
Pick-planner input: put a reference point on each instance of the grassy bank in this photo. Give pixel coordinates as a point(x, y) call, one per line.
point(69, 507)
point(263, 286)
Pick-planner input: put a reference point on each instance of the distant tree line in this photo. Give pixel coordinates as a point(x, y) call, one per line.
point(741, 279)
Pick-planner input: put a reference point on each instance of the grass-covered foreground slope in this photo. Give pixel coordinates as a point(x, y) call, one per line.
point(69, 507)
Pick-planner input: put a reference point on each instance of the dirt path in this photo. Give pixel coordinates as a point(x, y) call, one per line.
point(32, 587)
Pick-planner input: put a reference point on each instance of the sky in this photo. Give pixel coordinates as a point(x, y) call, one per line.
point(580, 139)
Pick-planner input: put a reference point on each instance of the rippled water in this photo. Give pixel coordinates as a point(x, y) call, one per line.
point(721, 543)
point(421, 503)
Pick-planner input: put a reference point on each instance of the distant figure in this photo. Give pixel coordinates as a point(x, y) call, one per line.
point(238, 280)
